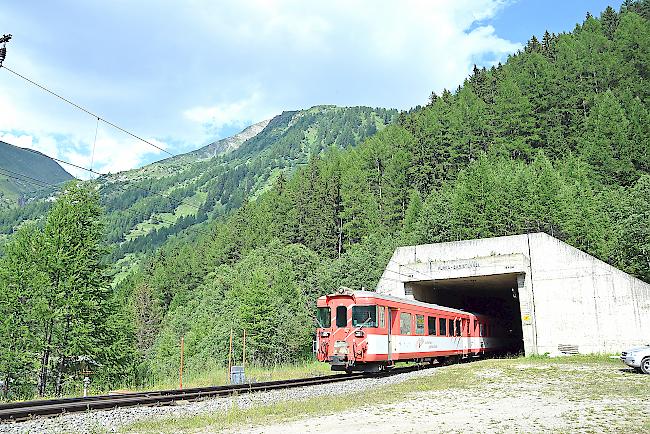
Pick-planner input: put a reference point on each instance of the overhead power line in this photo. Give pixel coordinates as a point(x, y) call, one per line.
point(24, 178)
point(58, 160)
point(86, 110)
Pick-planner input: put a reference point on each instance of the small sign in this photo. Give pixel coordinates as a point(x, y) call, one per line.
point(526, 319)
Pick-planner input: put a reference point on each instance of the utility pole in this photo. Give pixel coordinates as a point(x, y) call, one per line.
point(3, 49)
point(230, 359)
point(181, 367)
point(243, 359)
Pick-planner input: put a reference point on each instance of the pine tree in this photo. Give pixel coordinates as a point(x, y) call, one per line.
point(546, 42)
point(633, 238)
point(605, 143)
point(609, 18)
point(22, 281)
point(514, 120)
point(413, 211)
point(77, 294)
point(533, 45)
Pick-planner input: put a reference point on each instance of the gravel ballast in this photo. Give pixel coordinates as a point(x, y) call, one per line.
point(113, 420)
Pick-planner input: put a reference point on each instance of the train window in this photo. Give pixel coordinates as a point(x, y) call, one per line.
point(364, 316)
point(451, 327)
point(405, 323)
point(341, 316)
point(382, 316)
point(458, 333)
point(419, 324)
point(324, 317)
point(443, 327)
point(432, 325)
point(481, 329)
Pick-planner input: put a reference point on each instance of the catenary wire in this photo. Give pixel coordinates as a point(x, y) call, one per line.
point(99, 118)
point(24, 178)
point(96, 126)
point(86, 110)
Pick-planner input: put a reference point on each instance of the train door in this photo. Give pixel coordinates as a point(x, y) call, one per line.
point(392, 314)
point(465, 339)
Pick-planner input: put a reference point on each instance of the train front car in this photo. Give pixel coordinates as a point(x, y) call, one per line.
point(366, 331)
point(347, 324)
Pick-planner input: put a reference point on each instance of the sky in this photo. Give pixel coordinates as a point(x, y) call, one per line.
point(184, 74)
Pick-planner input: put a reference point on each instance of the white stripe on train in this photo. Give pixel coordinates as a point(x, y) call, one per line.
point(378, 344)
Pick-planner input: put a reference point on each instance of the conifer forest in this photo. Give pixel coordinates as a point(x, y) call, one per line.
point(555, 140)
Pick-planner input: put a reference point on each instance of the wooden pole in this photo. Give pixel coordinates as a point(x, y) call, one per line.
point(181, 368)
point(243, 359)
point(230, 358)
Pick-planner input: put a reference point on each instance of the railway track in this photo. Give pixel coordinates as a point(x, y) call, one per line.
point(19, 411)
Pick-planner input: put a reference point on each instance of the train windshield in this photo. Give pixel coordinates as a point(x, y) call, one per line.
point(324, 317)
point(364, 316)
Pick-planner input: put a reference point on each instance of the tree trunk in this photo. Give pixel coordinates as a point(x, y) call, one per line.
point(379, 176)
point(340, 240)
point(45, 360)
point(5, 387)
point(59, 375)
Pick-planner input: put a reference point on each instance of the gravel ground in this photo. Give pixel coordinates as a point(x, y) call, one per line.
point(112, 420)
point(548, 401)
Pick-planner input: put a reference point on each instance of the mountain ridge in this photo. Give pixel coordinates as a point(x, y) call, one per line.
point(26, 171)
point(231, 143)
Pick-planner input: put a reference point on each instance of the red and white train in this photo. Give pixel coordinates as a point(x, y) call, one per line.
point(367, 331)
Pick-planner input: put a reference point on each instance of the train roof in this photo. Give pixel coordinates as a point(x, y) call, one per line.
point(358, 293)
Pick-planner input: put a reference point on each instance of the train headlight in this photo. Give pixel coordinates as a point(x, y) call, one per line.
point(358, 333)
point(324, 334)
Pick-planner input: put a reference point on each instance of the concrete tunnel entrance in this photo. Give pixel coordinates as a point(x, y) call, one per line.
point(494, 295)
point(558, 298)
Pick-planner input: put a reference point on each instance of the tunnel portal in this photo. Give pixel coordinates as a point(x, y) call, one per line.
point(552, 297)
point(495, 295)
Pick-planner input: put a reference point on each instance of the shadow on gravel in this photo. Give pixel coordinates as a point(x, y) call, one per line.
point(630, 371)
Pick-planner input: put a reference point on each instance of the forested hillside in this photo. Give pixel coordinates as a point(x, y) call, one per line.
point(556, 140)
point(26, 171)
point(145, 206)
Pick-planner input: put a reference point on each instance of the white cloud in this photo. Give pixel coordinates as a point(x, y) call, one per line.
point(238, 114)
point(186, 74)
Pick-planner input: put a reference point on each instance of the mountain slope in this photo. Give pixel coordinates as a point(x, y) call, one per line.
point(24, 171)
point(145, 206)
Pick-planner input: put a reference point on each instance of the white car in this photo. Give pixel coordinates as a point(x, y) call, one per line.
point(638, 358)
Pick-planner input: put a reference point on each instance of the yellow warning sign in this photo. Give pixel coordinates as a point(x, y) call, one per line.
point(526, 318)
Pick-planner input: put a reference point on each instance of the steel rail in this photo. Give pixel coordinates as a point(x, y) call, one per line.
point(19, 411)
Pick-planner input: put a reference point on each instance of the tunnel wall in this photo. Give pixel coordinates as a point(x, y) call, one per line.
point(566, 297)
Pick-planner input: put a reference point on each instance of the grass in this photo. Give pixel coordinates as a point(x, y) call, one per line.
point(595, 392)
point(188, 206)
point(291, 410)
point(217, 375)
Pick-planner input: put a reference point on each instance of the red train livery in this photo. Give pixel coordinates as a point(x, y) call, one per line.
point(367, 331)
